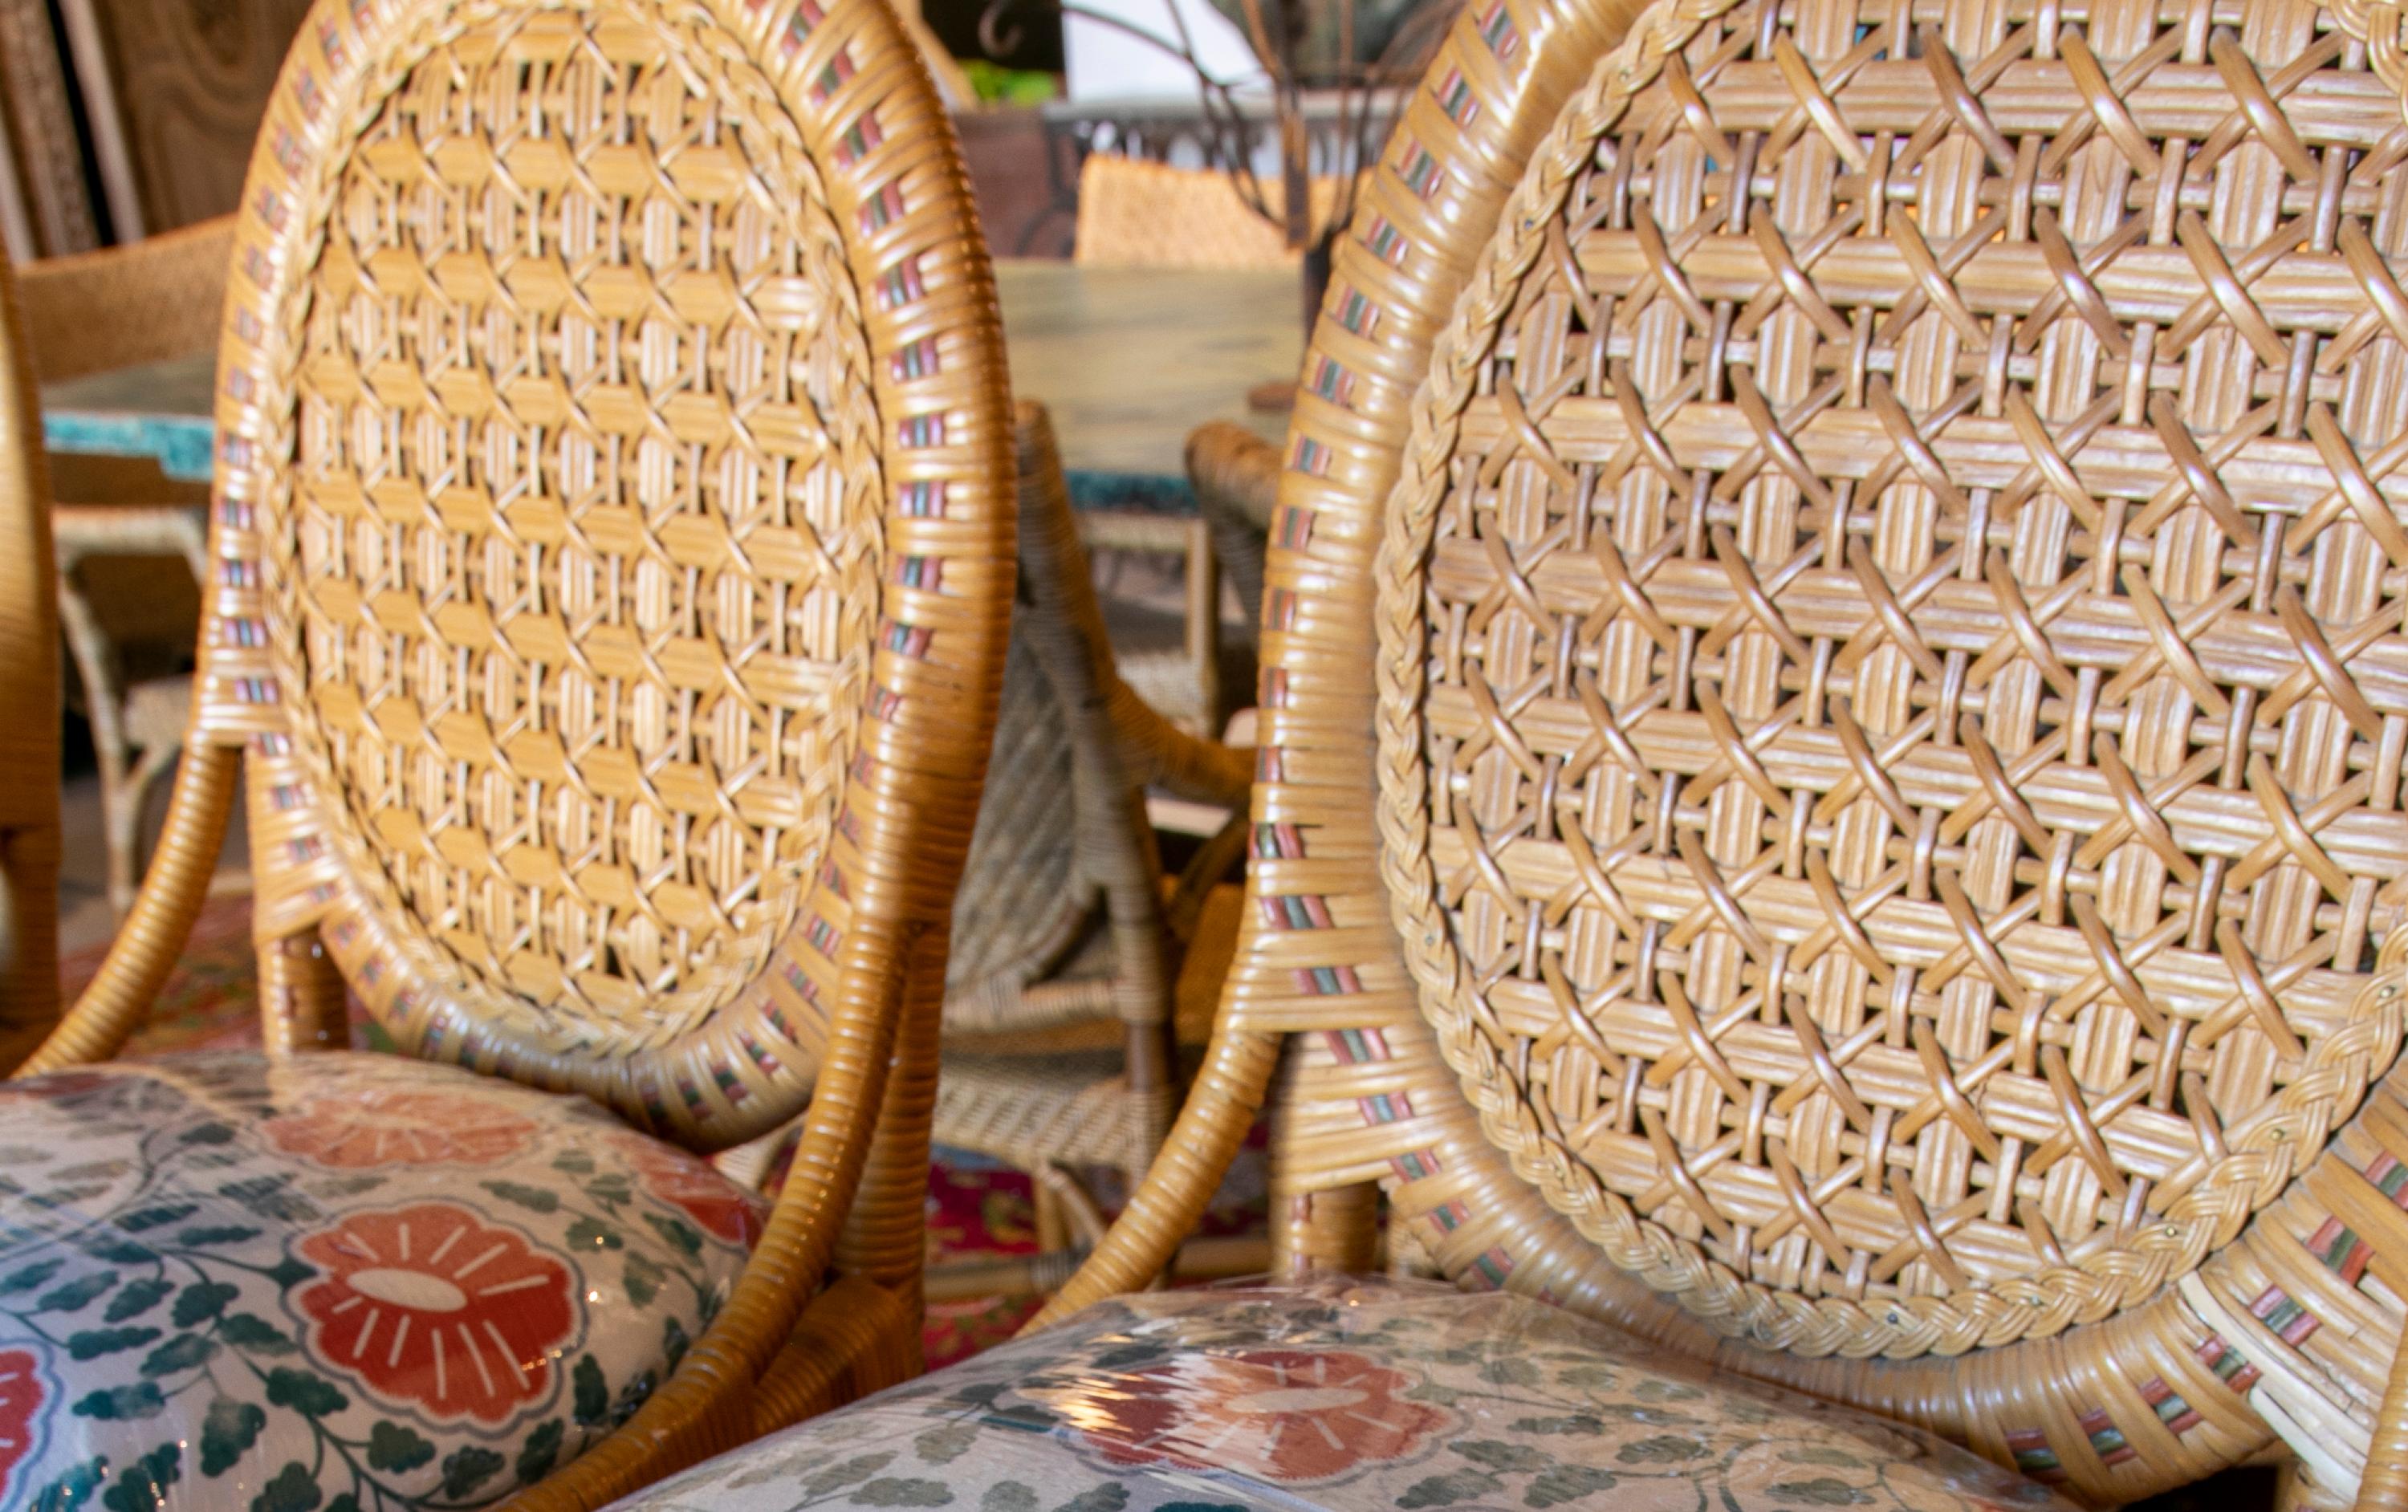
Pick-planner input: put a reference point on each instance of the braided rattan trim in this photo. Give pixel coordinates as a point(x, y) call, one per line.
point(2207, 1192)
point(722, 367)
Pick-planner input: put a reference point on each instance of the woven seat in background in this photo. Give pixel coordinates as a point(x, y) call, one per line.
point(610, 556)
point(123, 530)
point(1832, 715)
point(1133, 213)
point(1060, 1049)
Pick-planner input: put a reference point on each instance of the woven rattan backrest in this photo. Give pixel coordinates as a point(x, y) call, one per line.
point(29, 681)
point(1133, 213)
point(1950, 680)
point(614, 517)
point(1832, 713)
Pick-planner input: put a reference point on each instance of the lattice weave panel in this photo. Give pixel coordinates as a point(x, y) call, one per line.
point(574, 606)
point(1893, 671)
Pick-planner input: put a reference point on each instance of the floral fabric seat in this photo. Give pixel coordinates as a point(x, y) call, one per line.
point(1340, 1394)
point(346, 1282)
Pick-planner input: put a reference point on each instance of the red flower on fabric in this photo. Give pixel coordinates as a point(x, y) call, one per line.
point(431, 1305)
point(400, 1126)
point(1286, 1416)
point(20, 1413)
point(695, 1188)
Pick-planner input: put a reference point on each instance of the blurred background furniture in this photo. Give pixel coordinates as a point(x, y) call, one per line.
point(122, 529)
point(1061, 1053)
point(1135, 213)
point(1235, 475)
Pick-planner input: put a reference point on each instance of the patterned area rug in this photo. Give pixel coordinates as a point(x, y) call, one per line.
point(977, 1210)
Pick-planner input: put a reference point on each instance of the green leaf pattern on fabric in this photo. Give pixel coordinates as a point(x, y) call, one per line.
point(228, 1282)
point(1341, 1395)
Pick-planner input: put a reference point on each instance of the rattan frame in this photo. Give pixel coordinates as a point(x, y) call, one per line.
point(29, 680)
point(843, 89)
point(2191, 1376)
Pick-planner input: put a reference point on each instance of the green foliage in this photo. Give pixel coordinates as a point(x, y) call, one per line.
point(228, 1430)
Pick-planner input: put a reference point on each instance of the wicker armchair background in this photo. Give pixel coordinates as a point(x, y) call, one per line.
point(638, 756)
point(1059, 1044)
point(116, 307)
point(1133, 213)
point(1831, 720)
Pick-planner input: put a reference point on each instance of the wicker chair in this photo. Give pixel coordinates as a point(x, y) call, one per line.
point(1059, 1042)
point(612, 562)
point(117, 520)
point(1831, 723)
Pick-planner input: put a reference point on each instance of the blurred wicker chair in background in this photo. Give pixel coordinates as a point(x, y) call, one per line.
point(1235, 475)
point(1060, 1045)
point(123, 530)
point(611, 658)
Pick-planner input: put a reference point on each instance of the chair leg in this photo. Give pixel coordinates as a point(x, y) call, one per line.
point(104, 694)
point(1325, 1228)
point(29, 941)
point(1204, 624)
point(302, 1002)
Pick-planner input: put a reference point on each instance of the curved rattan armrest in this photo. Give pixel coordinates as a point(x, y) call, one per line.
point(147, 944)
point(159, 297)
point(1159, 754)
point(1235, 473)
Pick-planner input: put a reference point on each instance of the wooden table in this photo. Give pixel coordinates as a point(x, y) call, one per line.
point(1128, 360)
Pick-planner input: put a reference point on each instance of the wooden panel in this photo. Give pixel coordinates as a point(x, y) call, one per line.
point(191, 82)
point(49, 208)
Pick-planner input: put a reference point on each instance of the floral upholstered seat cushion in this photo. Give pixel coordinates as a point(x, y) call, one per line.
point(1339, 1395)
point(342, 1282)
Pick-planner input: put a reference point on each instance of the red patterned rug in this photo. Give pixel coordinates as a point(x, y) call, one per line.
point(976, 1209)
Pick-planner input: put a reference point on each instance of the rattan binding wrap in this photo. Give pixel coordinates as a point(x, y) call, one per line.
point(1667, 437)
point(29, 680)
point(630, 424)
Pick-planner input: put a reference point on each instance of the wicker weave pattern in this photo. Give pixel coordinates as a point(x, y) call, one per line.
point(2290, 1329)
point(640, 498)
point(585, 541)
point(1881, 931)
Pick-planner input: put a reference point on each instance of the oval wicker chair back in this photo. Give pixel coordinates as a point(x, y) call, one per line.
point(613, 538)
point(29, 681)
point(1831, 731)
